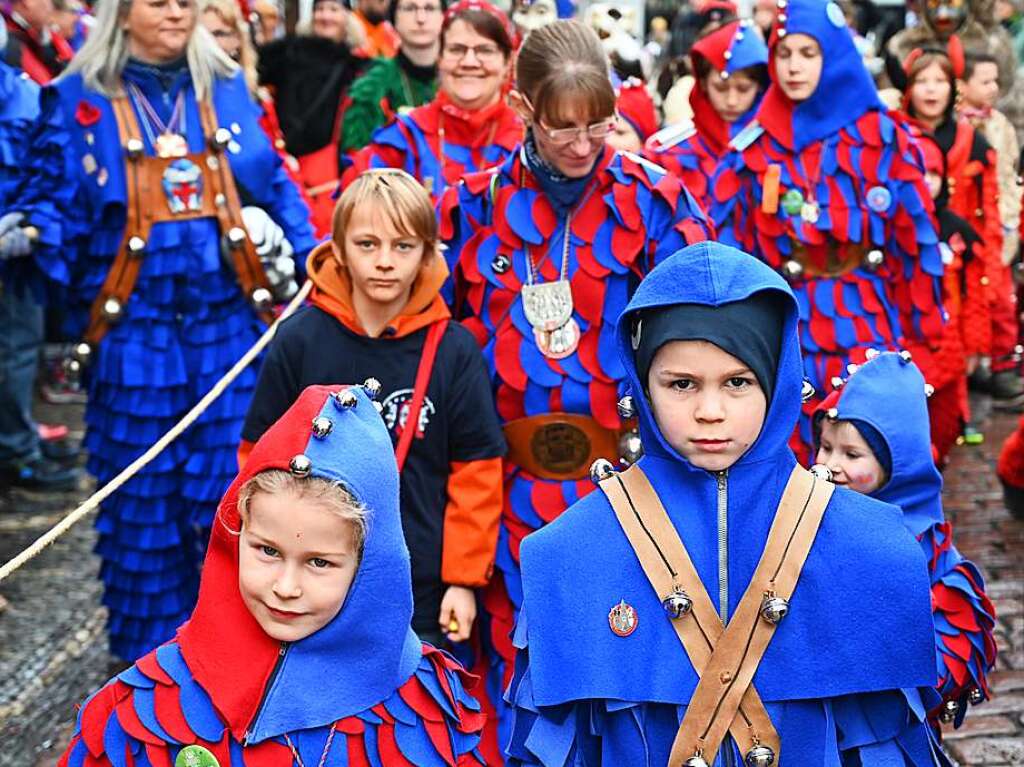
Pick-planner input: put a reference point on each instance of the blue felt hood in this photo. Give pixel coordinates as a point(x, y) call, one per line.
point(888, 393)
point(860, 616)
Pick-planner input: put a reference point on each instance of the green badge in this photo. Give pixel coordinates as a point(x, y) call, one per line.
point(792, 202)
point(195, 756)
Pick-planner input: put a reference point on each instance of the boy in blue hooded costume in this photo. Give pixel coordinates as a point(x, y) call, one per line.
point(886, 452)
point(299, 650)
point(846, 658)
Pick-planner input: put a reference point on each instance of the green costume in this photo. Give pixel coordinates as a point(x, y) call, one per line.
point(395, 82)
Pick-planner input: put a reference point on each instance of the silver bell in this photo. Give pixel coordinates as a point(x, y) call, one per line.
point(237, 237)
point(774, 609)
point(322, 426)
point(262, 299)
point(300, 465)
point(372, 388)
point(821, 471)
point(873, 259)
point(871, 353)
point(832, 413)
point(852, 368)
point(134, 148)
point(792, 270)
point(72, 369)
point(906, 356)
point(346, 399)
point(929, 390)
point(837, 382)
point(378, 407)
point(759, 756)
point(626, 407)
point(630, 447)
point(696, 761)
point(112, 309)
point(81, 352)
point(976, 696)
point(677, 604)
point(600, 470)
point(221, 138)
point(807, 391)
point(136, 246)
point(949, 711)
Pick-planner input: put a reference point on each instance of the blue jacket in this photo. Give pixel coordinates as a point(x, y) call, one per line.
point(840, 674)
point(19, 106)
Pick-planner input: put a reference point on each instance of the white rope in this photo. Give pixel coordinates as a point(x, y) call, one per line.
point(158, 447)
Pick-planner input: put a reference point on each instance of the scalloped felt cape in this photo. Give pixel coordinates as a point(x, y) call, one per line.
point(895, 306)
point(147, 714)
point(19, 107)
point(473, 141)
point(184, 326)
point(888, 394)
point(843, 686)
point(632, 216)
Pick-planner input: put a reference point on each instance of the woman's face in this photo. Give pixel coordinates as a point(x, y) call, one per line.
point(572, 143)
point(731, 97)
point(330, 20)
point(798, 63)
point(227, 37)
point(159, 30)
point(472, 68)
point(930, 93)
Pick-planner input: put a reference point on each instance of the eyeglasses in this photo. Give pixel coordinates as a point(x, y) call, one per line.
point(596, 131)
point(483, 53)
point(428, 9)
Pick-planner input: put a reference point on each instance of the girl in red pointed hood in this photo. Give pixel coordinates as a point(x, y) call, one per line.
point(299, 650)
point(468, 126)
point(825, 187)
point(730, 66)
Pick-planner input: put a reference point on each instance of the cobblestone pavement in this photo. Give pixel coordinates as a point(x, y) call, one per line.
point(52, 643)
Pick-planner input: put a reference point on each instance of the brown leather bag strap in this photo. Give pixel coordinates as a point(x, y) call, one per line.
point(120, 281)
point(730, 671)
point(668, 567)
point(251, 275)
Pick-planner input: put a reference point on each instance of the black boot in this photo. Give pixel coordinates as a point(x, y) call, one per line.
point(1007, 391)
point(39, 474)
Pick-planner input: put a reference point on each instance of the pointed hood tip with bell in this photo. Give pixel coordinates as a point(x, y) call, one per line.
point(717, 274)
point(368, 650)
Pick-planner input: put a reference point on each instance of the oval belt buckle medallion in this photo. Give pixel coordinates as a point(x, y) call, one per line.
point(622, 619)
point(560, 448)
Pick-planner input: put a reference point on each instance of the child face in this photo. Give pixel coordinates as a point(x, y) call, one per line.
point(798, 63)
point(296, 563)
point(625, 138)
point(708, 405)
point(847, 455)
point(931, 92)
point(382, 262)
point(982, 88)
point(731, 97)
point(934, 183)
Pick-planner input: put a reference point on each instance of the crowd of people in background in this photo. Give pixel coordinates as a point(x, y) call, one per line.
point(540, 237)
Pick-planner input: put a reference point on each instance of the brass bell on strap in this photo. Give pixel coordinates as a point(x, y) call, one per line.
point(600, 470)
point(774, 608)
point(792, 270)
point(237, 237)
point(262, 299)
point(221, 138)
point(677, 604)
point(626, 407)
point(631, 448)
point(873, 259)
point(112, 309)
point(976, 696)
point(136, 246)
point(949, 711)
point(759, 756)
point(134, 148)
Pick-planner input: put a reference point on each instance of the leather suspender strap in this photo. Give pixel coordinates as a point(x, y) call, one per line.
point(738, 653)
point(419, 392)
point(251, 275)
point(668, 567)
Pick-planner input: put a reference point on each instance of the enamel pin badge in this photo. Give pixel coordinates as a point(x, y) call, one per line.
point(622, 619)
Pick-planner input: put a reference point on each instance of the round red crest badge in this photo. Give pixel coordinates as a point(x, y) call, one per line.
point(622, 619)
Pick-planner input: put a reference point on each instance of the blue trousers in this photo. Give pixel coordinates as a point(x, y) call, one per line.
point(21, 335)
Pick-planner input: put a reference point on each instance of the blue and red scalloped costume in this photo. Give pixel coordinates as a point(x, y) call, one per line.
point(692, 150)
point(471, 141)
point(186, 323)
point(225, 685)
point(630, 216)
point(847, 671)
point(888, 393)
point(867, 272)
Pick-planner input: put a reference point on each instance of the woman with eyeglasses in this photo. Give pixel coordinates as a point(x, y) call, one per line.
point(468, 126)
point(824, 186)
point(144, 154)
point(545, 250)
point(401, 83)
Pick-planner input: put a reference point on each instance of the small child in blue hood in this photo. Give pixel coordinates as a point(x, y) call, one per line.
point(299, 651)
point(873, 436)
point(715, 603)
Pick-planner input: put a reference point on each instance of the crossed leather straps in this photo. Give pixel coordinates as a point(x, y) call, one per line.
point(725, 658)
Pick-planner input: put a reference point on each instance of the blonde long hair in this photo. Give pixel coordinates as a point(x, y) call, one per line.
point(102, 59)
point(230, 14)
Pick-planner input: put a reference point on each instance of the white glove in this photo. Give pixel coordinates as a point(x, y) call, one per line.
point(14, 241)
point(274, 251)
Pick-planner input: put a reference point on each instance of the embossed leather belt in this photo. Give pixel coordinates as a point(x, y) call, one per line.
point(561, 446)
